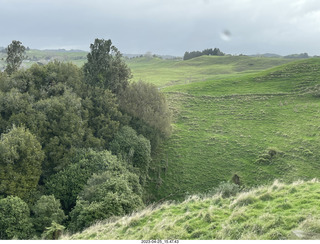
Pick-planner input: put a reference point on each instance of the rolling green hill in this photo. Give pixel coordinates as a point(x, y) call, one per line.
point(278, 211)
point(261, 127)
point(167, 72)
point(261, 124)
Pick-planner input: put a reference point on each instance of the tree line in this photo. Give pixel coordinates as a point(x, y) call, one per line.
point(194, 54)
point(75, 143)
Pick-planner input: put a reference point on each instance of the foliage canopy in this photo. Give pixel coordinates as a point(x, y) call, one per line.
point(20, 162)
point(57, 123)
point(15, 219)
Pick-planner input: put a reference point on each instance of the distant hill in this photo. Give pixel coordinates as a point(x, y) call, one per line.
point(150, 56)
point(266, 55)
point(272, 55)
point(62, 50)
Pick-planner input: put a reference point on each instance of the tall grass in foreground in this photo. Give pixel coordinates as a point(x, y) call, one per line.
point(277, 211)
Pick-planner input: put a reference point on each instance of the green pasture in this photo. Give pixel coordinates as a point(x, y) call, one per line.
point(234, 126)
point(166, 72)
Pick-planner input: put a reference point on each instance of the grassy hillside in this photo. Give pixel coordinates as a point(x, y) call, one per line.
point(261, 127)
point(172, 72)
point(278, 211)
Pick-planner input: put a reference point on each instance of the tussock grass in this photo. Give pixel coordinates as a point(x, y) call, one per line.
point(236, 217)
point(244, 199)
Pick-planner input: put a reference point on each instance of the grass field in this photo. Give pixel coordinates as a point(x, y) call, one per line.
point(261, 127)
point(166, 72)
point(274, 212)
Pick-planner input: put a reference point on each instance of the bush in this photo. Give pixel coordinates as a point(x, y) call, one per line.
point(15, 219)
point(69, 182)
point(145, 103)
point(85, 214)
point(47, 210)
point(114, 192)
point(53, 231)
point(136, 150)
point(20, 159)
point(125, 184)
point(228, 189)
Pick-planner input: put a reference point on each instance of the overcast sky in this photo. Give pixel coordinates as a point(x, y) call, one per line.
point(165, 26)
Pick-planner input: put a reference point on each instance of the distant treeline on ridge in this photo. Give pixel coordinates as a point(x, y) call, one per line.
point(194, 54)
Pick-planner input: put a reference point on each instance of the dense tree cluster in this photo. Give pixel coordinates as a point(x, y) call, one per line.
point(301, 55)
point(75, 143)
point(194, 54)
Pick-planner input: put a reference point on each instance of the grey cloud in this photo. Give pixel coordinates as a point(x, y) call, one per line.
point(165, 26)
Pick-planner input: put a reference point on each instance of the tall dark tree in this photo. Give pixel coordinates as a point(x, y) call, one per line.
point(15, 56)
point(105, 67)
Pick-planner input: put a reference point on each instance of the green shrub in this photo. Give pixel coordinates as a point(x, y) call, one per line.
point(133, 148)
point(150, 113)
point(47, 210)
point(20, 159)
point(15, 219)
point(85, 214)
point(114, 192)
point(53, 231)
point(69, 182)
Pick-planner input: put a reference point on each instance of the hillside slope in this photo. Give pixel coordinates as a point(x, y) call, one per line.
point(166, 72)
point(261, 127)
point(278, 211)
